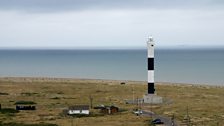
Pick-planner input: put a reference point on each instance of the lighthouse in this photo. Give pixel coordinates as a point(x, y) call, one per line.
point(150, 47)
point(150, 96)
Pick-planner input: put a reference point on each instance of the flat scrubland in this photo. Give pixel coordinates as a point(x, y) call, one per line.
point(205, 104)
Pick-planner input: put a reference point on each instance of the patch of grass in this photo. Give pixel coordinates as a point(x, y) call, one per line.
point(60, 92)
point(205, 103)
point(149, 122)
point(90, 115)
point(55, 98)
point(123, 110)
point(1, 93)
point(69, 98)
point(25, 103)
point(28, 94)
point(22, 124)
point(8, 110)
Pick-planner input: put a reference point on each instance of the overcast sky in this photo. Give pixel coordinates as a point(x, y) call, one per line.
point(110, 23)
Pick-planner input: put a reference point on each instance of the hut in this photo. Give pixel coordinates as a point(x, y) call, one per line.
point(25, 105)
point(78, 110)
point(110, 110)
point(107, 109)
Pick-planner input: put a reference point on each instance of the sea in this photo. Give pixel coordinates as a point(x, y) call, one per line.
point(194, 66)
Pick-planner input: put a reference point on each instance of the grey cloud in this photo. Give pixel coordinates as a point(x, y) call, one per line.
point(62, 5)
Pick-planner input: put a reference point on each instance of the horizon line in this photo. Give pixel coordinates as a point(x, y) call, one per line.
point(114, 47)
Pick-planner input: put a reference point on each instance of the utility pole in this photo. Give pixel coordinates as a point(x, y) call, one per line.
point(137, 104)
point(188, 118)
point(91, 101)
point(133, 97)
point(140, 104)
point(172, 120)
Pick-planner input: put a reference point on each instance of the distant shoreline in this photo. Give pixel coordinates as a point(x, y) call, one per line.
point(70, 80)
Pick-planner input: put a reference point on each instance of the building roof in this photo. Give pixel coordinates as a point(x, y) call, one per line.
point(105, 107)
point(79, 107)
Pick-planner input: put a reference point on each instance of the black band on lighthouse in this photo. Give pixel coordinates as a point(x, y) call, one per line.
point(150, 63)
point(151, 88)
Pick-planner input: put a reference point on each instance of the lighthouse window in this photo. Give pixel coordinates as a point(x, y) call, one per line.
point(152, 45)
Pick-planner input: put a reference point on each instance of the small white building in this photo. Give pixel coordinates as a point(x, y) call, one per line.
point(78, 110)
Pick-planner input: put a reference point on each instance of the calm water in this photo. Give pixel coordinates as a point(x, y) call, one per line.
point(196, 66)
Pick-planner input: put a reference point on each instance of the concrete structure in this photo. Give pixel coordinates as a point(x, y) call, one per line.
point(79, 110)
point(150, 97)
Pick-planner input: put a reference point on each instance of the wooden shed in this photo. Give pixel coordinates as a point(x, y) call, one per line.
point(107, 109)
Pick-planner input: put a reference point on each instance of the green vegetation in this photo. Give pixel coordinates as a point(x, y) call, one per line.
point(8, 110)
point(60, 92)
point(25, 103)
point(22, 124)
point(84, 116)
point(55, 98)
point(203, 104)
point(1, 93)
point(28, 93)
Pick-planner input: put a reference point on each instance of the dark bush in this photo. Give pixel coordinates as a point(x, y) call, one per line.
point(24, 103)
point(8, 110)
point(55, 98)
point(3, 93)
point(28, 94)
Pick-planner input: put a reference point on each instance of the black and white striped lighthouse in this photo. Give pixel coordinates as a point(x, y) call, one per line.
point(150, 46)
point(150, 96)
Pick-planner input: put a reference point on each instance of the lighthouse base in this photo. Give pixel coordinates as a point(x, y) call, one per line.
point(152, 99)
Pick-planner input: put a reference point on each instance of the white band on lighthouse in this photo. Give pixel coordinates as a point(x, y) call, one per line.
point(150, 50)
point(150, 76)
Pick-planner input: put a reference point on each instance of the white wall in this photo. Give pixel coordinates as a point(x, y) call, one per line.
point(84, 112)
